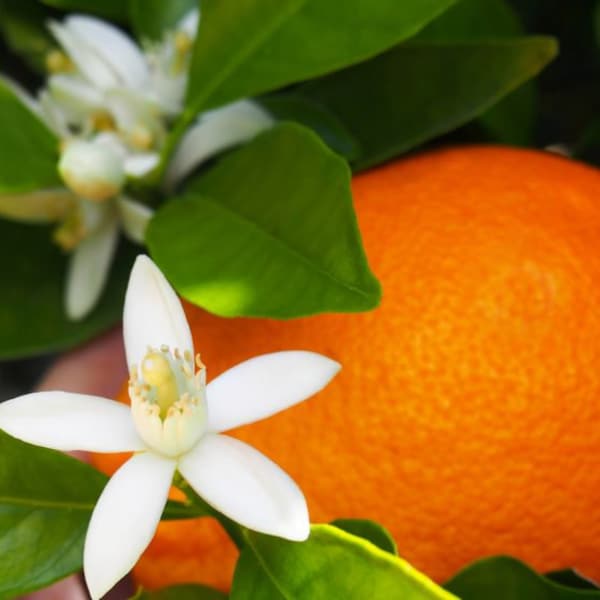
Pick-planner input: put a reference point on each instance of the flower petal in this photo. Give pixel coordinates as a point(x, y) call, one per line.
point(153, 314)
point(134, 218)
point(66, 421)
point(189, 22)
point(42, 206)
point(125, 519)
point(265, 385)
point(88, 269)
point(138, 165)
point(115, 48)
point(246, 486)
point(88, 61)
point(75, 96)
point(216, 131)
point(53, 114)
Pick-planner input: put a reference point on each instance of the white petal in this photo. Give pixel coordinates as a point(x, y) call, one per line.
point(138, 165)
point(88, 269)
point(113, 46)
point(134, 218)
point(54, 115)
point(189, 23)
point(153, 314)
point(42, 206)
point(66, 421)
point(246, 486)
point(135, 107)
point(75, 96)
point(91, 65)
point(125, 519)
point(265, 385)
point(216, 131)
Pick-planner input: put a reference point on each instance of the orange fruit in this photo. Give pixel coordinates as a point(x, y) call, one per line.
point(465, 418)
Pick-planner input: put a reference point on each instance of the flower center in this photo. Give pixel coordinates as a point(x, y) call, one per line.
point(168, 400)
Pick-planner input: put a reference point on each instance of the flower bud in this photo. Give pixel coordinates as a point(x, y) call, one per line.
point(92, 171)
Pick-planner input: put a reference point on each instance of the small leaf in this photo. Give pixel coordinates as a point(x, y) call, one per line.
point(368, 530)
point(33, 280)
point(29, 151)
point(151, 18)
point(182, 592)
point(289, 107)
point(420, 90)
point(247, 47)
point(330, 564)
point(505, 578)
point(510, 121)
point(270, 231)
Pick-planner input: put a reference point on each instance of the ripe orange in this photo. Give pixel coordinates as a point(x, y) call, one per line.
point(465, 418)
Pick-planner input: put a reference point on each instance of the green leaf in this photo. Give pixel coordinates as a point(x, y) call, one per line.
point(505, 578)
point(182, 592)
point(33, 280)
point(472, 20)
point(289, 107)
point(29, 151)
point(270, 231)
point(24, 29)
point(420, 90)
point(116, 10)
point(572, 579)
point(330, 564)
point(368, 530)
point(247, 47)
point(511, 120)
point(46, 499)
point(151, 18)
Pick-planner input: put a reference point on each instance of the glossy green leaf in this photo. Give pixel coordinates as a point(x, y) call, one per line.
point(290, 107)
point(46, 499)
point(505, 578)
point(247, 47)
point(330, 564)
point(420, 90)
point(472, 20)
point(270, 231)
point(29, 151)
point(151, 18)
point(182, 592)
point(117, 10)
point(368, 530)
point(511, 120)
point(24, 30)
point(572, 579)
point(33, 275)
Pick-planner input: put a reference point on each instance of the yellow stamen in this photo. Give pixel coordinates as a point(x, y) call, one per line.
point(141, 137)
point(159, 377)
point(102, 121)
point(58, 62)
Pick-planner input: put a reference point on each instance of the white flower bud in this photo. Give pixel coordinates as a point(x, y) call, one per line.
point(92, 171)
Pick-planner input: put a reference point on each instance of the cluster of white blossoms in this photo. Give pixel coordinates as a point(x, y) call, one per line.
point(174, 424)
point(112, 103)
